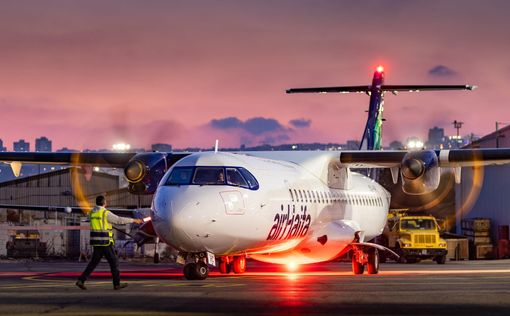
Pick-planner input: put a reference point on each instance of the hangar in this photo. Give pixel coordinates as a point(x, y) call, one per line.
point(485, 193)
point(56, 188)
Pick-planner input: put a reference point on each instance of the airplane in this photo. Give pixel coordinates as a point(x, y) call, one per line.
point(295, 207)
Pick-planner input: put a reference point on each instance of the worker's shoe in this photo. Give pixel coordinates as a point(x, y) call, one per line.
point(120, 286)
point(81, 285)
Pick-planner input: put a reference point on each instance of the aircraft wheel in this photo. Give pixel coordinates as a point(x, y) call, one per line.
point(239, 264)
point(224, 266)
point(201, 270)
point(373, 261)
point(189, 271)
point(357, 268)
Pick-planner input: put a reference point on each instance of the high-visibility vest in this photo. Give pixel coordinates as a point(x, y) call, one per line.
point(101, 233)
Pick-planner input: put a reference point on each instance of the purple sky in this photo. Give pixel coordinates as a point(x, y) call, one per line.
point(91, 73)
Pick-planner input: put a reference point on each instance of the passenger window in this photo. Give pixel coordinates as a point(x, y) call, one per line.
point(235, 178)
point(180, 176)
point(291, 195)
point(209, 175)
point(300, 196)
point(314, 197)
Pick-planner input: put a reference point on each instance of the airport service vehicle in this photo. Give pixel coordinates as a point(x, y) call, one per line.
point(293, 207)
point(415, 238)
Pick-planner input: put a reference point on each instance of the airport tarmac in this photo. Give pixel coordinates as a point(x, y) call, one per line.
point(457, 288)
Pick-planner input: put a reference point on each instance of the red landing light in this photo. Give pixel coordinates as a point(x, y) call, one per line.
point(379, 69)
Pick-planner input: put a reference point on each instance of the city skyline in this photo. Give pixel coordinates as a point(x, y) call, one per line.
point(88, 75)
point(437, 139)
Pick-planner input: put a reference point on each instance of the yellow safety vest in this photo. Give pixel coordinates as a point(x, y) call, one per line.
point(101, 233)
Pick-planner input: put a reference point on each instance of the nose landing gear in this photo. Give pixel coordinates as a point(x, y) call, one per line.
point(196, 270)
point(195, 265)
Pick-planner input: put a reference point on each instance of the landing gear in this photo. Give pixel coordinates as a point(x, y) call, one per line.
point(227, 264)
point(196, 271)
point(239, 264)
point(195, 264)
point(365, 257)
point(357, 268)
point(224, 265)
point(373, 261)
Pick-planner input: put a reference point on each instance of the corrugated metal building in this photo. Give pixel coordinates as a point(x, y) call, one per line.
point(62, 187)
point(486, 193)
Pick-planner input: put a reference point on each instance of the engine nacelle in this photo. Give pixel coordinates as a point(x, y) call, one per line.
point(144, 171)
point(420, 172)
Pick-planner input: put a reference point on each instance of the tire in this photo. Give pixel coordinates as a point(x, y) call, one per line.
point(156, 258)
point(239, 264)
point(224, 266)
point(441, 259)
point(373, 261)
point(201, 271)
point(189, 271)
point(357, 268)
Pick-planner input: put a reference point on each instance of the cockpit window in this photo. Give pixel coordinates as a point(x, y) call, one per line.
point(235, 178)
point(180, 175)
point(209, 175)
point(252, 182)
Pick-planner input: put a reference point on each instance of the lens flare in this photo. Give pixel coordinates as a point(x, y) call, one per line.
point(292, 266)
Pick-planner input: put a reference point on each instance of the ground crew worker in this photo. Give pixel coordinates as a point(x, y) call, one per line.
point(101, 240)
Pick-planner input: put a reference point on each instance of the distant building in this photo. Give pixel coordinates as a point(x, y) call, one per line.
point(352, 145)
point(161, 147)
point(436, 138)
point(396, 145)
point(21, 146)
point(43, 144)
point(2, 148)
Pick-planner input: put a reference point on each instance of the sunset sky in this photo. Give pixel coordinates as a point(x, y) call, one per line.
point(91, 73)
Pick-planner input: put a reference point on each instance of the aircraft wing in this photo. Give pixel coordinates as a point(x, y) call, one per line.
point(447, 158)
point(97, 159)
point(417, 88)
point(135, 213)
point(345, 89)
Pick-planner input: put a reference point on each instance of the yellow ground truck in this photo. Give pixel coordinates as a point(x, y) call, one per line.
point(415, 238)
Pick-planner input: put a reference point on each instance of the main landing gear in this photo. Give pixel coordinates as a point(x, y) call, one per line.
point(361, 258)
point(237, 264)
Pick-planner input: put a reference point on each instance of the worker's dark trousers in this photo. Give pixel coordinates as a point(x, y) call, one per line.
point(109, 253)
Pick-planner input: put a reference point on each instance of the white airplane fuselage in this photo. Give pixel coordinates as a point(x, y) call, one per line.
point(292, 215)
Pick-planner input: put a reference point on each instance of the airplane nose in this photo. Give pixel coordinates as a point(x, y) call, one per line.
point(181, 220)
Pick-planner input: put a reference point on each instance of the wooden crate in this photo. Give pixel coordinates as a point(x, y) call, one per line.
point(458, 249)
point(474, 233)
point(480, 240)
point(484, 252)
point(476, 224)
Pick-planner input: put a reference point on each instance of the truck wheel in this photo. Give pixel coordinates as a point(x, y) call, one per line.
point(373, 261)
point(441, 259)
